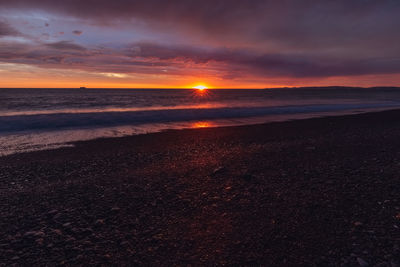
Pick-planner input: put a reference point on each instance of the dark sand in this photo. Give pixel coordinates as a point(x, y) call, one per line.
point(312, 192)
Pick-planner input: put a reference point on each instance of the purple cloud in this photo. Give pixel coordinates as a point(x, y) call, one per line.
point(264, 38)
point(66, 45)
point(7, 30)
point(146, 58)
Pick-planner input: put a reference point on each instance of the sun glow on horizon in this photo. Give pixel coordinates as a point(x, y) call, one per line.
point(200, 87)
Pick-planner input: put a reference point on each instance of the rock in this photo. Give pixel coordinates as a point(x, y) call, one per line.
point(247, 177)
point(218, 170)
point(87, 231)
point(362, 262)
point(29, 234)
point(52, 212)
point(115, 209)
point(99, 222)
point(56, 216)
point(57, 231)
point(70, 239)
point(34, 234)
point(79, 257)
point(124, 243)
point(66, 225)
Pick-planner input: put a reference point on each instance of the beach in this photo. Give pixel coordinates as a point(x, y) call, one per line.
point(321, 191)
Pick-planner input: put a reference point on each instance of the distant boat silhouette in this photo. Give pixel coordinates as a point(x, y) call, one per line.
point(82, 87)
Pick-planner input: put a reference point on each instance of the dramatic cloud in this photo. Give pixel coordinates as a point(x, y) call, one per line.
point(153, 58)
point(270, 64)
point(226, 39)
point(307, 22)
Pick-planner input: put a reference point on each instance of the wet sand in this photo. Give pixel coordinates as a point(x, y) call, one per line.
point(309, 192)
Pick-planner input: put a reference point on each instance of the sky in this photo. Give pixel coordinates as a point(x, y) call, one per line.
point(184, 43)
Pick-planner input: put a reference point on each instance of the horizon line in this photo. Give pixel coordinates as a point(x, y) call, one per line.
point(211, 88)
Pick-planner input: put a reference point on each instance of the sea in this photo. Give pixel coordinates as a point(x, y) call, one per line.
point(40, 119)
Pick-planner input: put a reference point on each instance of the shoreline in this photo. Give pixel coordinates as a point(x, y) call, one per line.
point(82, 135)
point(319, 191)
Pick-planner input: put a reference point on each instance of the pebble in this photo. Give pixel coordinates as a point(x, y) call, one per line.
point(57, 231)
point(218, 170)
point(52, 212)
point(57, 216)
point(362, 262)
point(99, 222)
point(68, 224)
point(124, 243)
point(247, 177)
point(115, 209)
point(34, 234)
point(87, 231)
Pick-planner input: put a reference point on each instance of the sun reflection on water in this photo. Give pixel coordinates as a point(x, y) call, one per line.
point(201, 124)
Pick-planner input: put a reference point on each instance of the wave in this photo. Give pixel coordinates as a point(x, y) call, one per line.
point(70, 120)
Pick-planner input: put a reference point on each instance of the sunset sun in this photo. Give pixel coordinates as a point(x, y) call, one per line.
point(200, 87)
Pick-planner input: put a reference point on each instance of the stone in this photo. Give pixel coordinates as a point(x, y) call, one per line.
point(66, 225)
point(219, 170)
point(362, 262)
point(57, 231)
point(52, 212)
point(99, 222)
point(247, 177)
point(34, 234)
point(115, 209)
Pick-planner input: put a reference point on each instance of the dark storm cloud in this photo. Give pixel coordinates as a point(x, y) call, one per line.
point(7, 30)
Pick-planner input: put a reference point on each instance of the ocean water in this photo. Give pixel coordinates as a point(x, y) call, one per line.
point(37, 119)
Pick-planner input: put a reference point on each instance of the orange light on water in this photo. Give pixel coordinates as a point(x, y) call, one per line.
point(201, 124)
